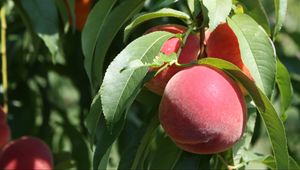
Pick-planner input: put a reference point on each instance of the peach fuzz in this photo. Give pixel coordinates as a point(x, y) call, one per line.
point(189, 53)
point(203, 110)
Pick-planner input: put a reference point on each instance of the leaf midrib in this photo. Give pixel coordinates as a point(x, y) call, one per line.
point(255, 60)
point(120, 96)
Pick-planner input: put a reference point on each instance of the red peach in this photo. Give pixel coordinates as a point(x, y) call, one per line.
point(82, 9)
point(222, 43)
point(4, 134)
point(26, 153)
point(203, 110)
point(188, 54)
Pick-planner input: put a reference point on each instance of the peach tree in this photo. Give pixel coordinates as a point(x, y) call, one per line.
point(235, 37)
point(150, 84)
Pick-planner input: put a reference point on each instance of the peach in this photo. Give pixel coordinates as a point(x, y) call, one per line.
point(189, 53)
point(222, 43)
point(82, 9)
point(4, 134)
point(203, 110)
point(26, 153)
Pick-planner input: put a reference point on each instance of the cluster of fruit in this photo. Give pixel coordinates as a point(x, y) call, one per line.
point(202, 108)
point(23, 153)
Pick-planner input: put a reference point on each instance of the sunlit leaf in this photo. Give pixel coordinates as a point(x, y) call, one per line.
point(257, 51)
point(280, 12)
point(165, 12)
point(218, 11)
point(194, 7)
point(255, 9)
point(120, 87)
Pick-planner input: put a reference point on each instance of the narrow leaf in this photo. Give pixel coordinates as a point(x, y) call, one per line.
point(285, 87)
point(167, 150)
point(105, 138)
point(218, 11)
point(140, 153)
point(106, 33)
point(189, 160)
point(257, 51)
point(194, 7)
point(270, 162)
point(92, 30)
point(255, 9)
point(165, 12)
point(271, 120)
point(118, 86)
point(93, 116)
point(280, 12)
point(80, 149)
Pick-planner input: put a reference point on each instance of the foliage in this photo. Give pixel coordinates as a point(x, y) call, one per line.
point(82, 92)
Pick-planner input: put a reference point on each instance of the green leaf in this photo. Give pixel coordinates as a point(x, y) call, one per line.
point(93, 116)
point(105, 138)
point(285, 87)
point(255, 9)
point(138, 120)
point(97, 47)
point(119, 88)
point(44, 20)
point(67, 13)
point(92, 32)
point(80, 149)
point(270, 162)
point(271, 120)
point(293, 164)
point(140, 153)
point(165, 12)
point(280, 12)
point(194, 7)
point(257, 51)
point(167, 150)
point(193, 161)
point(218, 11)
point(222, 160)
point(159, 4)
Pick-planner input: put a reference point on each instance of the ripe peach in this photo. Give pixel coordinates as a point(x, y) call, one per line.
point(188, 54)
point(2, 116)
point(222, 43)
point(203, 110)
point(4, 134)
point(82, 9)
point(26, 153)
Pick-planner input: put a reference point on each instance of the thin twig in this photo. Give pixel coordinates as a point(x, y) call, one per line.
point(4, 59)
